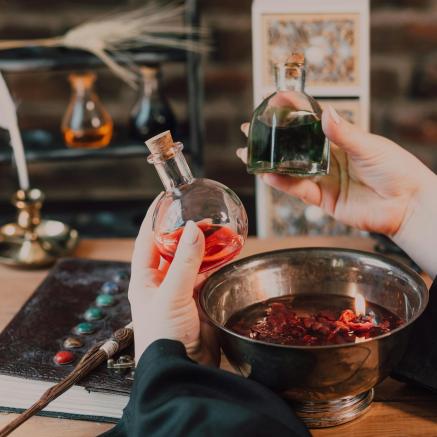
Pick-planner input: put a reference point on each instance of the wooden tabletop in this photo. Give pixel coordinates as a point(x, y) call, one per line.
point(398, 410)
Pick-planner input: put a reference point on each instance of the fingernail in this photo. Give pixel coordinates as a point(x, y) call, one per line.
point(191, 233)
point(239, 151)
point(334, 115)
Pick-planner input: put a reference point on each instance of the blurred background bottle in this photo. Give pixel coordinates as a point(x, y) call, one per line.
point(86, 123)
point(151, 113)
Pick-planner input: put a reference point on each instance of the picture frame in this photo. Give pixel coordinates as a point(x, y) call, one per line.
point(335, 32)
point(330, 43)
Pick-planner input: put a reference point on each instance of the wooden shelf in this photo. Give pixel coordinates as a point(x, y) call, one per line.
point(63, 153)
point(58, 58)
point(44, 146)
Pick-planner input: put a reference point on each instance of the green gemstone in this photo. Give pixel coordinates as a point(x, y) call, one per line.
point(84, 328)
point(105, 300)
point(93, 313)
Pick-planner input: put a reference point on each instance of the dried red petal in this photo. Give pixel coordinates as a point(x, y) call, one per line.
point(282, 325)
point(360, 327)
point(328, 314)
point(347, 316)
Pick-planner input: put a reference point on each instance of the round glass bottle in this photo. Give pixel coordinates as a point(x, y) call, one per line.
point(216, 209)
point(86, 123)
point(151, 113)
point(285, 134)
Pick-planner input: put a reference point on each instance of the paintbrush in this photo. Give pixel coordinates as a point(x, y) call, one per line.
point(95, 356)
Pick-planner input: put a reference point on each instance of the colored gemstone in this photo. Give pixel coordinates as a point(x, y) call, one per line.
point(110, 288)
point(93, 313)
point(72, 342)
point(105, 300)
point(121, 276)
point(84, 328)
point(63, 357)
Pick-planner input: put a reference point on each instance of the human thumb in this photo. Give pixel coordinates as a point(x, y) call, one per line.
point(349, 137)
point(182, 273)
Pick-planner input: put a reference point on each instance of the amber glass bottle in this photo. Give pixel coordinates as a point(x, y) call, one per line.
point(86, 122)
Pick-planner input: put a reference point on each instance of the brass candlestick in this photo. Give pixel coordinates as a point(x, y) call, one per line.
point(32, 242)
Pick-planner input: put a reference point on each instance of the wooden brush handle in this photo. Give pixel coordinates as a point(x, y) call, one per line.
point(124, 337)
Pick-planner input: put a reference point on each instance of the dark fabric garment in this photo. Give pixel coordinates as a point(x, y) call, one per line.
point(419, 364)
point(173, 396)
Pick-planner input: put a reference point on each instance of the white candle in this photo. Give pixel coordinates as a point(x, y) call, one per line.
point(20, 158)
point(360, 304)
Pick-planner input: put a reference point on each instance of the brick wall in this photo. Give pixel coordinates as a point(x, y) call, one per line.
point(403, 77)
point(404, 74)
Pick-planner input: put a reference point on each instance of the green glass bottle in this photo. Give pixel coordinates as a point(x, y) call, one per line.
point(285, 134)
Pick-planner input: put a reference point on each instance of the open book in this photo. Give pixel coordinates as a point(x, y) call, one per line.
point(38, 331)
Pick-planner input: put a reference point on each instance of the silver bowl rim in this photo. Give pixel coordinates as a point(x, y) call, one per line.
point(389, 261)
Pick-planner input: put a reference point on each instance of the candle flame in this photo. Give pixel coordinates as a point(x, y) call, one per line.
point(360, 304)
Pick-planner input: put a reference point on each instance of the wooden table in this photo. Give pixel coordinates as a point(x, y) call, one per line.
point(398, 410)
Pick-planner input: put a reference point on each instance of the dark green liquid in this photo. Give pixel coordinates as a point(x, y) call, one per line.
point(299, 147)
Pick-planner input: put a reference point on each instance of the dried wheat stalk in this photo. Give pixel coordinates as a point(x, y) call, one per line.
point(109, 36)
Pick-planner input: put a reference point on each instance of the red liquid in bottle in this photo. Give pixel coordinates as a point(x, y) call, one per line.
point(221, 245)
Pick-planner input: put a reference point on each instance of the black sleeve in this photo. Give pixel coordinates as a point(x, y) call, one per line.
point(173, 396)
point(419, 364)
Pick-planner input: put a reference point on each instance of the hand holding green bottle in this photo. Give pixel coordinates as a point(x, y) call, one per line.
point(373, 185)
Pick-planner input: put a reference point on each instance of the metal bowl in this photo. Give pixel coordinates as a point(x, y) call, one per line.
point(330, 384)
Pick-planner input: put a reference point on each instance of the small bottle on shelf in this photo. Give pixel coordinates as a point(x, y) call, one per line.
point(216, 210)
point(86, 123)
point(151, 113)
point(285, 134)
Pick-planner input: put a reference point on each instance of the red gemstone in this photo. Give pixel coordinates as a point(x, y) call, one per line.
point(64, 357)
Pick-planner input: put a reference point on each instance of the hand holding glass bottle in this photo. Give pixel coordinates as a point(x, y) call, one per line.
point(161, 296)
point(374, 185)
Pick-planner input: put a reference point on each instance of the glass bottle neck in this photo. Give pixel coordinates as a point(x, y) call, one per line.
point(173, 171)
point(82, 84)
point(290, 77)
point(85, 92)
point(150, 81)
point(150, 86)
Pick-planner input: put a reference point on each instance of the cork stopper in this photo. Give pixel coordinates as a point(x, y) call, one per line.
point(296, 58)
point(162, 144)
point(292, 68)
